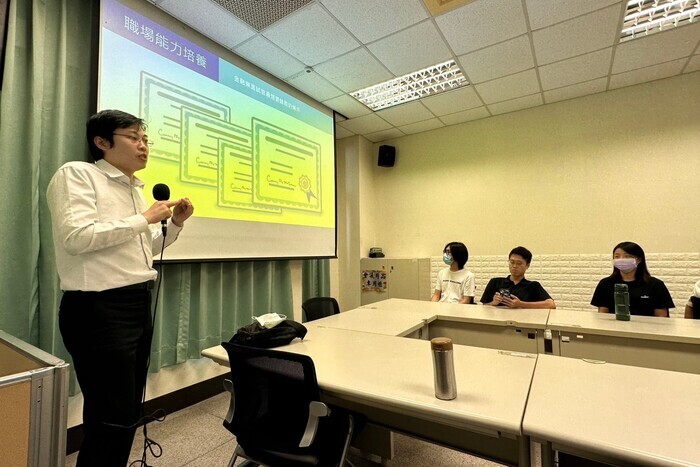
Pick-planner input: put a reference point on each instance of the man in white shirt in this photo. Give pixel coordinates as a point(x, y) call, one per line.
point(105, 236)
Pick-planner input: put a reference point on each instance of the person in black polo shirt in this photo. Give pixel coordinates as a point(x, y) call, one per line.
point(648, 295)
point(515, 291)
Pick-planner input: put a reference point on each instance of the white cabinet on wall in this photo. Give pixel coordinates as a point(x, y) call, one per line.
point(394, 278)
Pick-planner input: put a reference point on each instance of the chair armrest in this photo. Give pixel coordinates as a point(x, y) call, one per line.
point(316, 410)
point(228, 385)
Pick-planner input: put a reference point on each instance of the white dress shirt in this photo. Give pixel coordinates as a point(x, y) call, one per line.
point(102, 240)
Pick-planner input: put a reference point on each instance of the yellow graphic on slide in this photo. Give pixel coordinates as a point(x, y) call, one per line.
point(201, 136)
point(161, 105)
point(286, 168)
point(236, 179)
point(248, 170)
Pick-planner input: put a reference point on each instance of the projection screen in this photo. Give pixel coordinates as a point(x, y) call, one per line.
point(255, 156)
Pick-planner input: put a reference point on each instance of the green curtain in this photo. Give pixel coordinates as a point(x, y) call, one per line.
point(46, 98)
point(315, 279)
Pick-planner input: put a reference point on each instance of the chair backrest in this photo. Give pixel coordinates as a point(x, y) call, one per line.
point(318, 307)
point(696, 306)
point(272, 391)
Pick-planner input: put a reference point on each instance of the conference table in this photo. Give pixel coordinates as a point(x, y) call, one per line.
point(613, 413)
point(647, 341)
point(474, 325)
point(376, 359)
point(390, 380)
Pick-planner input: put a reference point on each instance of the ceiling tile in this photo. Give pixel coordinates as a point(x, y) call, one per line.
point(412, 49)
point(211, 19)
point(369, 20)
point(516, 104)
point(465, 116)
point(384, 135)
point(482, 23)
point(365, 124)
point(542, 13)
point(269, 57)
point(693, 64)
point(354, 70)
point(576, 70)
point(452, 101)
point(651, 73)
point(314, 85)
point(656, 48)
point(578, 36)
point(420, 127)
point(311, 35)
point(498, 60)
point(347, 105)
point(577, 90)
point(341, 132)
point(404, 114)
point(519, 84)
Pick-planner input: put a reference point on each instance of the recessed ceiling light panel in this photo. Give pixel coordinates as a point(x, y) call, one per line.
point(644, 17)
point(422, 83)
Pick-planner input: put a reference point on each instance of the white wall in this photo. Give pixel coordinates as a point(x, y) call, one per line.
point(575, 176)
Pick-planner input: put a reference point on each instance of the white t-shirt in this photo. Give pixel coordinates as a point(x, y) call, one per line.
point(454, 285)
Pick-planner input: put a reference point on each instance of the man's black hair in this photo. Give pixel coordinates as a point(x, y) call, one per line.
point(522, 252)
point(104, 123)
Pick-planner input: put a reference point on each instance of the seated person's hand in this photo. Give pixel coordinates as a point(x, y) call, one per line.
point(512, 302)
point(497, 298)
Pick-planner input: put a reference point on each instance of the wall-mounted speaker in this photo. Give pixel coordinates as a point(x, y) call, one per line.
point(387, 156)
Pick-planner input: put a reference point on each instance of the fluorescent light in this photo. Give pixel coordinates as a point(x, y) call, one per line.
point(415, 85)
point(644, 17)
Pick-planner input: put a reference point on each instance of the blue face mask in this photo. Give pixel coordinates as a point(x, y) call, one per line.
point(447, 259)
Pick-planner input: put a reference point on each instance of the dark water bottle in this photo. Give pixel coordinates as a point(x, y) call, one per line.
point(622, 302)
point(443, 368)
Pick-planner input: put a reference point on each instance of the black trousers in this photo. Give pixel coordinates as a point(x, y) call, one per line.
point(108, 334)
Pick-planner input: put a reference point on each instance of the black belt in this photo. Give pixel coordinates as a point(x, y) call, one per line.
point(148, 285)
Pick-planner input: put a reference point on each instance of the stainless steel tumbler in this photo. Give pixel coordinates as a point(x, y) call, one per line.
point(443, 368)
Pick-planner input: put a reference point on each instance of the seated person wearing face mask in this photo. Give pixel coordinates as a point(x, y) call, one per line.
point(648, 295)
point(515, 291)
point(454, 284)
point(692, 308)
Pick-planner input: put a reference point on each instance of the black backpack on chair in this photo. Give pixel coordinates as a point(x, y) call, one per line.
point(255, 335)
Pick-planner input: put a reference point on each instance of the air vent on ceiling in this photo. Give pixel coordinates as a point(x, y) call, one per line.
point(260, 14)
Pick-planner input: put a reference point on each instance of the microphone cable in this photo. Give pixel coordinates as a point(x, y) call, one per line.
point(159, 415)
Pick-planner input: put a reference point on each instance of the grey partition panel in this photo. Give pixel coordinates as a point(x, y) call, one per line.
point(47, 401)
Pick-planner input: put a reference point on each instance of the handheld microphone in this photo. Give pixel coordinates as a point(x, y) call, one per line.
point(161, 192)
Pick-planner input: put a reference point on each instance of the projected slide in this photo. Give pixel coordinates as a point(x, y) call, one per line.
point(257, 163)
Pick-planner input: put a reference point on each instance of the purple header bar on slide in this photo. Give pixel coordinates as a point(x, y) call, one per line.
point(152, 36)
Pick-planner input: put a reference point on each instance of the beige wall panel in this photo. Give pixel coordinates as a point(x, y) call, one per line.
point(572, 177)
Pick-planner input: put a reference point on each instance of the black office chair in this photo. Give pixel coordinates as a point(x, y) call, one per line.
point(696, 307)
point(276, 412)
point(318, 307)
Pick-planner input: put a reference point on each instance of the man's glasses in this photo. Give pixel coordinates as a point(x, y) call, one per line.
point(136, 139)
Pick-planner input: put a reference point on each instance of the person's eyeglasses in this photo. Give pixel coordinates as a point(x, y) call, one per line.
point(516, 263)
point(136, 139)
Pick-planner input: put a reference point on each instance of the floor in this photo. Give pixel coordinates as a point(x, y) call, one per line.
point(195, 437)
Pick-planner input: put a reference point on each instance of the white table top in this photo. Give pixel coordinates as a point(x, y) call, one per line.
point(482, 314)
point(396, 373)
point(377, 321)
point(617, 411)
point(639, 327)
